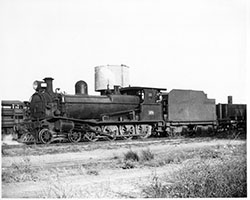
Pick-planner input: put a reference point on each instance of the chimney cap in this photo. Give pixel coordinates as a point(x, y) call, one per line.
point(48, 78)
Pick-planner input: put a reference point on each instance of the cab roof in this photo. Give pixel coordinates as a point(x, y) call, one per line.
point(139, 88)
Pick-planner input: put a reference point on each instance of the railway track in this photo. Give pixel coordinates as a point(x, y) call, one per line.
point(66, 147)
point(57, 148)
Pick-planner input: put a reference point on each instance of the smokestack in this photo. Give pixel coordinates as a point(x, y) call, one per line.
point(230, 100)
point(49, 82)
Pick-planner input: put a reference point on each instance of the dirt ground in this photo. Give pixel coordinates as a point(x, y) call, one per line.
point(91, 170)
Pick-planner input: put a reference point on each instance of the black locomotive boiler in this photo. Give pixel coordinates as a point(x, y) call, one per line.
point(117, 113)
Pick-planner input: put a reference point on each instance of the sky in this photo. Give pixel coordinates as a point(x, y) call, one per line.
point(172, 44)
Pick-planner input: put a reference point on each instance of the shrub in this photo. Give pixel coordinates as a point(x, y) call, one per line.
point(131, 155)
point(128, 164)
point(146, 155)
point(92, 172)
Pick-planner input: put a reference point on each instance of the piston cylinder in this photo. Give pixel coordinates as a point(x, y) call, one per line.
point(64, 126)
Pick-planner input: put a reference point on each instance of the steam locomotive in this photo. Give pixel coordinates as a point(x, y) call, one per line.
point(124, 113)
point(118, 113)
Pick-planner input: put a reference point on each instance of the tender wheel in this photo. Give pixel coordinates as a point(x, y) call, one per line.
point(74, 137)
point(45, 136)
point(111, 131)
point(127, 131)
point(143, 130)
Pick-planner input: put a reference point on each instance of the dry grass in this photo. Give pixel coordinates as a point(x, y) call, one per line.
point(57, 188)
point(147, 155)
point(131, 158)
point(201, 179)
point(210, 172)
point(20, 172)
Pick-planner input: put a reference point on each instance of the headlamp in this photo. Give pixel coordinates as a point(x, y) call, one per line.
point(37, 85)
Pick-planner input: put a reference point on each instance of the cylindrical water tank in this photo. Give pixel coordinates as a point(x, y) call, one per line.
point(81, 87)
point(108, 76)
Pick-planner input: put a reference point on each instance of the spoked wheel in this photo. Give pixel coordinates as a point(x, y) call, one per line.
point(127, 131)
point(91, 136)
point(111, 132)
point(143, 130)
point(45, 136)
point(74, 137)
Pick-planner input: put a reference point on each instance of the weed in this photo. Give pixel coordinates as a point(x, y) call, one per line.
point(130, 159)
point(128, 164)
point(92, 172)
point(20, 172)
point(59, 188)
point(146, 155)
point(156, 189)
point(131, 155)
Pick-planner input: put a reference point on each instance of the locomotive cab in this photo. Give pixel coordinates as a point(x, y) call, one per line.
point(150, 101)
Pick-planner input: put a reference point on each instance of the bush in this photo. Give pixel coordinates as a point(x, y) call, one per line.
point(131, 155)
point(128, 164)
point(92, 172)
point(146, 155)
